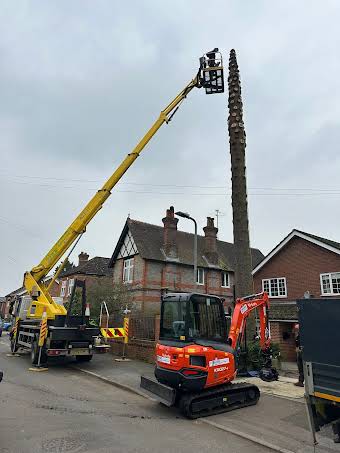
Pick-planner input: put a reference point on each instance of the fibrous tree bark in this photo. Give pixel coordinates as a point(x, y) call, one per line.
point(237, 140)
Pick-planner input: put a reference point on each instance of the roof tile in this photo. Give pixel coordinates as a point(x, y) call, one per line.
point(286, 311)
point(95, 266)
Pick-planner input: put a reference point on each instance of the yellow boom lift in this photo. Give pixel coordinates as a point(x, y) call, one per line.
point(66, 335)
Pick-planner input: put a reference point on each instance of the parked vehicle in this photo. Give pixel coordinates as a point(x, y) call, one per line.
point(319, 321)
point(1, 326)
point(7, 326)
point(69, 335)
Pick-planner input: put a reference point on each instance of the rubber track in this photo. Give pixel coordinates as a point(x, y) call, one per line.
point(187, 399)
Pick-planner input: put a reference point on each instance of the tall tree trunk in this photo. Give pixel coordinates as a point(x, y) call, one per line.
point(237, 140)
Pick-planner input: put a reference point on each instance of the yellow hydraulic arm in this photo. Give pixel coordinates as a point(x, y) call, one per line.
point(210, 76)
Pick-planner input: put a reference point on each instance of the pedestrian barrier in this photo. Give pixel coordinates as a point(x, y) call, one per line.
point(113, 332)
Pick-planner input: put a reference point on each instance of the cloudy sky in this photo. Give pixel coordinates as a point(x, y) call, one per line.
point(81, 81)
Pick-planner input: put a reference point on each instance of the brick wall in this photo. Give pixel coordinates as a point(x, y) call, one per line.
point(301, 262)
point(55, 289)
point(89, 279)
point(275, 332)
point(135, 349)
point(282, 333)
point(150, 277)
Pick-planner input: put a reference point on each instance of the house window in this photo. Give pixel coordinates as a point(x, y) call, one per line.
point(200, 276)
point(70, 286)
point(330, 283)
point(275, 287)
point(225, 280)
point(128, 270)
point(63, 288)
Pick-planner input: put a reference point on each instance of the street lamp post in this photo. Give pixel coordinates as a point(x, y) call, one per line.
point(185, 215)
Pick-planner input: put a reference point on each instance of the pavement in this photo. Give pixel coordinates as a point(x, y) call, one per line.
point(278, 421)
point(127, 375)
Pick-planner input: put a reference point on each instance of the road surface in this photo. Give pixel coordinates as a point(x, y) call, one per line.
point(63, 410)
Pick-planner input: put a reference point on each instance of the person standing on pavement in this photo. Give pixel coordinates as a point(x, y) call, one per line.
point(298, 349)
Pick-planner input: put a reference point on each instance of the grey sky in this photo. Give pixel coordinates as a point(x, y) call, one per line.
point(82, 81)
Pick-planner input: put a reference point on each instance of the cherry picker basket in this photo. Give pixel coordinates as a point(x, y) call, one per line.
point(211, 72)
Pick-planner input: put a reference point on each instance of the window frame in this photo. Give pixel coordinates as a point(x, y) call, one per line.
point(225, 273)
point(128, 269)
point(63, 288)
point(279, 296)
point(332, 293)
point(70, 286)
point(203, 275)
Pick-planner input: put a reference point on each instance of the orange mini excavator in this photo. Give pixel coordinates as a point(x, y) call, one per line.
point(196, 359)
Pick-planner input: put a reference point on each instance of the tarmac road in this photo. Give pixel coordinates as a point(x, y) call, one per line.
point(63, 410)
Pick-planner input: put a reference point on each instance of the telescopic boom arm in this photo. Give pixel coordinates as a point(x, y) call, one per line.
point(209, 76)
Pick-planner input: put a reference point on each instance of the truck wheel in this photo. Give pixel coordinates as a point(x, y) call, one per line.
point(83, 358)
point(35, 354)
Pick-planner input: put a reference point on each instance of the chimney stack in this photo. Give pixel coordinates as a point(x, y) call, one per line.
point(169, 234)
point(83, 258)
point(210, 241)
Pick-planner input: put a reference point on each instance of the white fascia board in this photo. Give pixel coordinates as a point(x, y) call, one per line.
point(294, 233)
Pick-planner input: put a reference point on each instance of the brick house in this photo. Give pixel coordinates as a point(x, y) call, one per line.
point(301, 265)
point(4, 305)
point(151, 259)
point(91, 270)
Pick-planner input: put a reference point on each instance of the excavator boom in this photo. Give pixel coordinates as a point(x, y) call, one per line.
point(242, 310)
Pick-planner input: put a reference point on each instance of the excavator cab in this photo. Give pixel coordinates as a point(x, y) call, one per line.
point(192, 318)
point(211, 72)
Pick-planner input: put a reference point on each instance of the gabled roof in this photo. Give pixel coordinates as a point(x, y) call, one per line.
point(327, 244)
point(96, 266)
point(149, 242)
